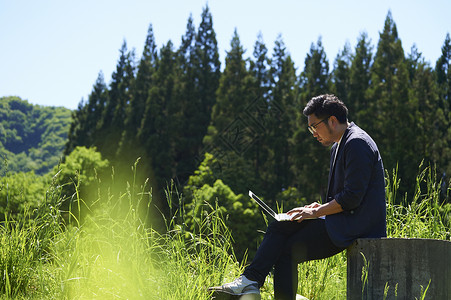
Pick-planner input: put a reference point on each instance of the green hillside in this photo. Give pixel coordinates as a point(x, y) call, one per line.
point(32, 137)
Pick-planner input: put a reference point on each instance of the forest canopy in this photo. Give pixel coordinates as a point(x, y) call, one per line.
point(32, 137)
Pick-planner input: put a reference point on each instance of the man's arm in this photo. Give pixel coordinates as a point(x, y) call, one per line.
point(315, 210)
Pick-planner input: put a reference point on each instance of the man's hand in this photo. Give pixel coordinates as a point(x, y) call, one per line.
point(313, 205)
point(306, 212)
point(315, 210)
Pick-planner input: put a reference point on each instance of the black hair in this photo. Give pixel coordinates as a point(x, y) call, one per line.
point(327, 105)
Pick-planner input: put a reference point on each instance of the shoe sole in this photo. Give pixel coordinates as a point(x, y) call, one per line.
point(221, 295)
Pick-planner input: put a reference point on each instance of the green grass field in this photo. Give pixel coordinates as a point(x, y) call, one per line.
point(113, 254)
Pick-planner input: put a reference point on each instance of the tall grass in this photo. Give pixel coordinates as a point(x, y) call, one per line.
point(25, 245)
point(16, 256)
point(112, 253)
point(422, 215)
point(115, 254)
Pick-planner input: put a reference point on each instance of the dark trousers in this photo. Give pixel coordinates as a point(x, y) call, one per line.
point(285, 245)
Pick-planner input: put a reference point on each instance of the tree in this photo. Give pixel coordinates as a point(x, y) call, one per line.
point(391, 110)
point(191, 115)
point(232, 95)
point(311, 159)
point(282, 120)
point(78, 177)
point(84, 130)
point(443, 75)
point(229, 128)
point(259, 67)
point(155, 133)
point(207, 66)
point(423, 94)
point(205, 193)
point(443, 71)
point(341, 73)
point(359, 81)
point(19, 193)
point(113, 116)
point(130, 148)
point(259, 110)
point(315, 77)
point(32, 137)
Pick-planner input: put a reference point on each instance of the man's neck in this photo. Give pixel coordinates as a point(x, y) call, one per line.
point(341, 130)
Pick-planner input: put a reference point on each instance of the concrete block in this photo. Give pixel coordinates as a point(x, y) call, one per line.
point(402, 266)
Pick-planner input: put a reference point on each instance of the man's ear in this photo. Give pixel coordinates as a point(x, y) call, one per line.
point(333, 121)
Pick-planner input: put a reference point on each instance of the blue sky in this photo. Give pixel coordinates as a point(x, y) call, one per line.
point(51, 51)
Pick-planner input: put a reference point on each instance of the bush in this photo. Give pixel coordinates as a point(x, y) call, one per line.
point(78, 177)
point(20, 192)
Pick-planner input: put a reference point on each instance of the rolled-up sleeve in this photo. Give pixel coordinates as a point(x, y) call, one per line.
point(359, 160)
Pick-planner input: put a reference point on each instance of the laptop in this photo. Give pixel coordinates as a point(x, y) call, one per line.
point(268, 210)
point(278, 217)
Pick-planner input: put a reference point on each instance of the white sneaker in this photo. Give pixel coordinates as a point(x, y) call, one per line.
point(240, 286)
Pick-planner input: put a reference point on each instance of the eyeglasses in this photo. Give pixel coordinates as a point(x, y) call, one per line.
point(312, 128)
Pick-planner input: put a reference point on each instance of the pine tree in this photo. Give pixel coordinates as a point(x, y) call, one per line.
point(259, 67)
point(359, 82)
point(229, 127)
point(443, 71)
point(186, 51)
point(315, 77)
point(341, 73)
point(207, 66)
point(83, 130)
point(232, 92)
point(155, 133)
point(259, 109)
point(311, 158)
point(124, 91)
point(423, 94)
point(282, 112)
point(113, 117)
point(391, 111)
point(129, 148)
point(75, 136)
point(443, 114)
point(189, 122)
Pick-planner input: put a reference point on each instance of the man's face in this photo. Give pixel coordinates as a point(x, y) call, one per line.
point(321, 130)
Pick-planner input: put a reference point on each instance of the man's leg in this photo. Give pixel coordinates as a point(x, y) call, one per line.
point(309, 243)
point(265, 258)
point(269, 251)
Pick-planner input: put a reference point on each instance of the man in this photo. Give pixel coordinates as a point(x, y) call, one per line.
point(354, 206)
